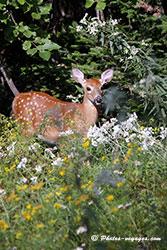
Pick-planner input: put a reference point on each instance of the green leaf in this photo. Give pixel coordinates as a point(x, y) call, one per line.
point(101, 4)
point(89, 3)
point(26, 45)
point(44, 10)
point(49, 46)
point(36, 16)
point(32, 51)
point(22, 2)
point(27, 33)
point(45, 55)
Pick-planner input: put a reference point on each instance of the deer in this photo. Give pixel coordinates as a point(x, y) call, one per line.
point(47, 117)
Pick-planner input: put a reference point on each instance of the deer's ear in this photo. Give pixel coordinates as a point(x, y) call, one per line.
point(78, 76)
point(106, 76)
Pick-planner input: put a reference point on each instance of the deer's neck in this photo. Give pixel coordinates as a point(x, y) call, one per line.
point(90, 111)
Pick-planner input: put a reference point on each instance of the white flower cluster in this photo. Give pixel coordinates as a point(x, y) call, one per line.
point(129, 130)
point(92, 25)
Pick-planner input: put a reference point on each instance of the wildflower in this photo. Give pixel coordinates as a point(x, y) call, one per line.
point(26, 215)
point(40, 226)
point(52, 221)
point(66, 159)
point(38, 168)
point(49, 152)
point(58, 162)
point(110, 197)
point(83, 185)
point(83, 20)
point(58, 193)
point(12, 196)
point(3, 225)
point(103, 158)
point(119, 184)
point(114, 209)
point(82, 229)
point(62, 173)
point(2, 192)
point(28, 207)
point(79, 28)
point(129, 151)
point(84, 197)
point(116, 161)
point(86, 144)
point(77, 202)
point(114, 22)
point(24, 180)
point(125, 159)
point(18, 235)
point(22, 163)
point(68, 198)
point(57, 205)
point(37, 186)
point(140, 149)
point(34, 179)
point(35, 209)
point(11, 148)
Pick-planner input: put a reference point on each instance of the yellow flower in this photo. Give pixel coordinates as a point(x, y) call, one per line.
point(116, 161)
point(84, 197)
point(57, 205)
point(66, 159)
point(25, 186)
point(83, 185)
point(86, 144)
point(52, 221)
point(140, 149)
point(125, 159)
point(26, 215)
point(114, 209)
point(52, 179)
point(58, 193)
point(103, 158)
point(8, 124)
point(110, 197)
point(62, 173)
point(89, 182)
point(68, 198)
point(108, 231)
point(40, 226)
point(18, 235)
point(47, 201)
point(37, 186)
point(142, 127)
point(34, 210)
point(7, 170)
point(85, 139)
point(12, 196)
point(77, 202)
point(3, 225)
point(28, 207)
point(50, 195)
point(129, 151)
point(119, 184)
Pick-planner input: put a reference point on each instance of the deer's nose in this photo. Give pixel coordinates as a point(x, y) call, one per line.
point(98, 100)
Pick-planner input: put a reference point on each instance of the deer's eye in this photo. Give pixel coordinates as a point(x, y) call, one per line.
point(88, 89)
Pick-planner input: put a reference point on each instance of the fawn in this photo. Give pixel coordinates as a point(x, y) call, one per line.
point(47, 116)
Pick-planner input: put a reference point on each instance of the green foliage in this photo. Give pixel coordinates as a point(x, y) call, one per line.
point(31, 32)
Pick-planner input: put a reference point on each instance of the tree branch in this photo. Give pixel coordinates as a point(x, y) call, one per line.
point(8, 78)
